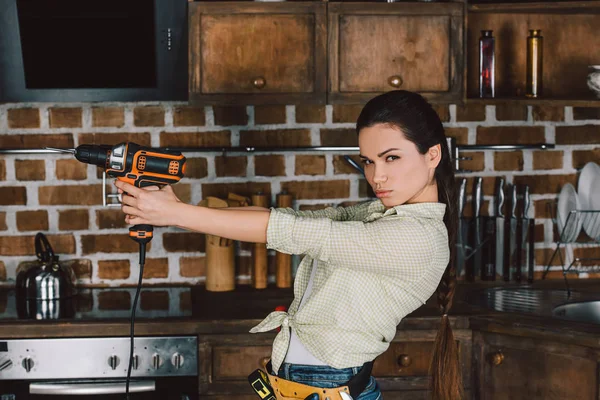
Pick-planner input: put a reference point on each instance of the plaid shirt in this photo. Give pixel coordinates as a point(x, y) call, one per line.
point(374, 267)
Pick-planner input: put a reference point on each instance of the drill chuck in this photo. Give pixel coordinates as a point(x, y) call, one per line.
point(93, 154)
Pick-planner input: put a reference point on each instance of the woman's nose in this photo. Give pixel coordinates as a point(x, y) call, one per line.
point(379, 175)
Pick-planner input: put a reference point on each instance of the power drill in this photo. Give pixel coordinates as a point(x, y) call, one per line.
point(141, 167)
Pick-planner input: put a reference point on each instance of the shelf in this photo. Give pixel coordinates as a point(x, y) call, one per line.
point(564, 101)
point(549, 7)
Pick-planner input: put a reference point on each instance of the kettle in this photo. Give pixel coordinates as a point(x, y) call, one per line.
point(47, 279)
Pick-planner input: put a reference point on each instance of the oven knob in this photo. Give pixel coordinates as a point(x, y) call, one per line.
point(135, 362)
point(113, 361)
point(156, 361)
point(5, 364)
point(177, 360)
point(28, 364)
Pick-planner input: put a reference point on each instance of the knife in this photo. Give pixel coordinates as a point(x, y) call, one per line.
point(531, 253)
point(522, 249)
point(461, 240)
point(476, 257)
point(518, 222)
point(499, 204)
point(508, 233)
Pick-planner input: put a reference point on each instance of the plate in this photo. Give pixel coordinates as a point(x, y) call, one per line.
point(568, 201)
point(588, 188)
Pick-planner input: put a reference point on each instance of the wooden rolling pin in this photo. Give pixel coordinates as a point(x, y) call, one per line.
point(283, 262)
point(220, 256)
point(259, 251)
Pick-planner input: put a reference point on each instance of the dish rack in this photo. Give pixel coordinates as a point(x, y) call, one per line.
point(568, 240)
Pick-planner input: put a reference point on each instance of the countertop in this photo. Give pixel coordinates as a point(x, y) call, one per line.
point(176, 310)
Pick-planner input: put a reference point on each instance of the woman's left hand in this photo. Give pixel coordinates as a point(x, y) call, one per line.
point(150, 205)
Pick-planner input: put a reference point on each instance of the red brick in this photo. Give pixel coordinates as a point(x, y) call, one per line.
point(269, 165)
point(310, 165)
point(582, 157)
point(184, 241)
point(364, 189)
point(114, 300)
point(13, 196)
point(37, 141)
point(32, 220)
point(23, 118)
point(188, 116)
point(110, 219)
point(196, 168)
point(341, 166)
point(580, 113)
point(76, 195)
point(460, 134)
point(335, 189)
point(30, 170)
point(269, 114)
point(548, 113)
point(230, 115)
point(24, 245)
point(308, 113)
point(585, 134)
point(542, 257)
point(141, 138)
point(443, 112)
point(73, 220)
point(149, 116)
point(346, 112)
point(546, 184)
point(511, 112)
point(538, 233)
point(344, 137)
point(156, 268)
point(508, 161)
point(477, 162)
point(245, 189)
point(108, 116)
point(154, 300)
point(488, 185)
point(192, 267)
point(81, 267)
point(231, 165)
point(185, 301)
point(112, 243)
point(113, 269)
point(547, 160)
point(276, 138)
point(510, 135)
point(2, 271)
point(195, 139)
point(470, 112)
point(2, 170)
point(65, 117)
point(545, 208)
point(3, 225)
point(71, 170)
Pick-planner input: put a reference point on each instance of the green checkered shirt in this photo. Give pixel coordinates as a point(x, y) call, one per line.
point(374, 267)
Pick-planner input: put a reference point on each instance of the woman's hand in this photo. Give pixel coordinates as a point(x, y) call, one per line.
point(150, 205)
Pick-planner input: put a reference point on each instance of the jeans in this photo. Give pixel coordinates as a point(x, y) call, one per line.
point(327, 377)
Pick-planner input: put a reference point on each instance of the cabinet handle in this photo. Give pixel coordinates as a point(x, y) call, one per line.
point(259, 82)
point(395, 81)
point(497, 358)
point(263, 362)
point(404, 360)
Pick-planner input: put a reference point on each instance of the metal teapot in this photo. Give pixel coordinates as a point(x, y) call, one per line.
point(48, 279)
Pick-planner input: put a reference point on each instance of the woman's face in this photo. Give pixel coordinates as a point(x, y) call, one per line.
point(395, 169)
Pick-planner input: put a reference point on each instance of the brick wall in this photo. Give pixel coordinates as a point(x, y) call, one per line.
point(61, 197)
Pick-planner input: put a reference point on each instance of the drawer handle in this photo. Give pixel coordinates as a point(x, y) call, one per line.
point(404, 360)
point(395, 81)
point(263, 362)
point(497, 358)
point(259, 82)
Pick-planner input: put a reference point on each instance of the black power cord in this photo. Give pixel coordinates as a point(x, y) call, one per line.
point(141, 234)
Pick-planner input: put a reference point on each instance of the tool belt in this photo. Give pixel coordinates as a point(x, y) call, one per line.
point(271, 387)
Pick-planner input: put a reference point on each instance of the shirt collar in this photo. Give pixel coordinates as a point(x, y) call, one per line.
point(377, 210)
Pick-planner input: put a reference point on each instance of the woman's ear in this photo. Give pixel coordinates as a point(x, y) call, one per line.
point(434, 155)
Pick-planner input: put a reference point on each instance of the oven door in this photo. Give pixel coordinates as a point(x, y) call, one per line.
point(147, 389)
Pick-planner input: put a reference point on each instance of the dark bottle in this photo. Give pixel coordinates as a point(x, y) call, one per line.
point(533, 81)
point(487, 64)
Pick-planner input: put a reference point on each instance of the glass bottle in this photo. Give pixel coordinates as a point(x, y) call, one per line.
point(487, 64)
point(533, 80)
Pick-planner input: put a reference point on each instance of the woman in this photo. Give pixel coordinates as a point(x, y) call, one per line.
point(365, 267)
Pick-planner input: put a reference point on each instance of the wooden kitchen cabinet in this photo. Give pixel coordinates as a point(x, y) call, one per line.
point(511, 366)
point(257, 53)
point(374, 48)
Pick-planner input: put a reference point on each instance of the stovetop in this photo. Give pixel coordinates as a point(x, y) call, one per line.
point(90, 304)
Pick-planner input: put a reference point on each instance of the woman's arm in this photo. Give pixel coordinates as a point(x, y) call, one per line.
point(160, 207)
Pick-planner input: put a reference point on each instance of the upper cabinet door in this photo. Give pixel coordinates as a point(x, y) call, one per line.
point(257, 53)
point(375, 48)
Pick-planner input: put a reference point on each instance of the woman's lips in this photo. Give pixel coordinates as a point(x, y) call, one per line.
point(383, 193)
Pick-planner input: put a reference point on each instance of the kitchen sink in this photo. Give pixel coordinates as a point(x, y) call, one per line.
point(583, 311)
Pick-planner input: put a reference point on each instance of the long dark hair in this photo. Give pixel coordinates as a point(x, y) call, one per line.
point(419, 122)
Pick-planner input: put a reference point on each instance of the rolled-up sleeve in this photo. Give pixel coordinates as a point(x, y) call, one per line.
point(397, 246)
point(351, 213)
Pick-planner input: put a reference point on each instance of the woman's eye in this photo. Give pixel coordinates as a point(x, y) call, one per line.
point(392, 158)
point(366, 162)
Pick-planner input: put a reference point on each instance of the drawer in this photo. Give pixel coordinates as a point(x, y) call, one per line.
point(237, 362)
point(404, 359)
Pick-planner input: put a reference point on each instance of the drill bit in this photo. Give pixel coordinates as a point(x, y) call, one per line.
point(70, 151)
